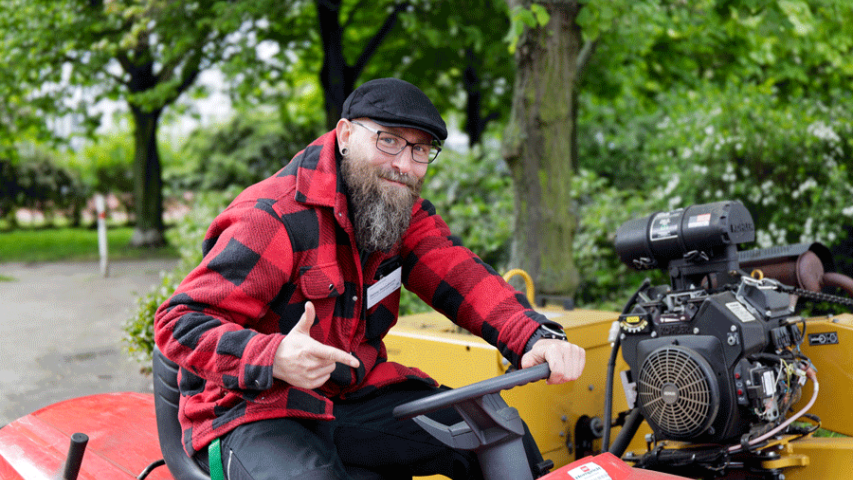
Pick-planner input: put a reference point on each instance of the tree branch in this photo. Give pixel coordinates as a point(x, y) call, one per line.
point(584, 57)
point(373, 44)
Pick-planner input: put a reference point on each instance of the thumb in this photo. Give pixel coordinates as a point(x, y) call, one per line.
point(531, 359)
point(306, 321)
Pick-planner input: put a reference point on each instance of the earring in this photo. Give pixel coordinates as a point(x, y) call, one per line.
point(344, 151)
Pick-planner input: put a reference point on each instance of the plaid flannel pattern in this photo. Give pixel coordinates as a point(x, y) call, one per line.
point(288, 240)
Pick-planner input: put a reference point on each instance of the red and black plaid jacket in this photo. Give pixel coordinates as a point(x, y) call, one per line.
point(287, 240)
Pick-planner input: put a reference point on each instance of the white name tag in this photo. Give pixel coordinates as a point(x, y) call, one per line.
point(384, 287)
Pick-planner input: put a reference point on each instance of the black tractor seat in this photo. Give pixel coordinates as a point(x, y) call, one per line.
point(166, 398)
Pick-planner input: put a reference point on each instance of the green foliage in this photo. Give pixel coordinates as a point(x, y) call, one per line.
point(139, 329)
point(458, 44)
point(62, 57)
point(694, 102)
point(646, 47)
point(473, 193)
point(522, 17)
point(241, 152)
point(106, 165)
point(464, 65)
point(38, 182)
point(606, 283)
point(729, 150)
point(788, 162)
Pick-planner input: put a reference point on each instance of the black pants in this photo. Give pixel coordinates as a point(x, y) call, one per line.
point(364, 441)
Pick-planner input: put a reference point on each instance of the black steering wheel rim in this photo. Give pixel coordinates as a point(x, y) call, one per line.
point(469, 392)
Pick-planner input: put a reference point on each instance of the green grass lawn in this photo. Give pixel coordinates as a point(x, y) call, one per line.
point(71, 244)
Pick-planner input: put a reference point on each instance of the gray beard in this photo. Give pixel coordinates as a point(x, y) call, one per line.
point(381, 213)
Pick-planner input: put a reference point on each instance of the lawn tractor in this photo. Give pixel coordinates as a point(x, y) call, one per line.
point(717, 374)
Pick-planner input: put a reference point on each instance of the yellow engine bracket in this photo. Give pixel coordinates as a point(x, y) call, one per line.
point(528, 283)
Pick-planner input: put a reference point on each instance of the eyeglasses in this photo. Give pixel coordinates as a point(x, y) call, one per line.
point(392, 144)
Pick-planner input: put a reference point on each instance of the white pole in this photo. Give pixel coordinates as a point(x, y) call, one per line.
point(100, 207)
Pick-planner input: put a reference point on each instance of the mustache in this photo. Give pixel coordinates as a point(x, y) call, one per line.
point(404, 178)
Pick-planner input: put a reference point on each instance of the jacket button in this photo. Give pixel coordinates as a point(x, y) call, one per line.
point(331, 286)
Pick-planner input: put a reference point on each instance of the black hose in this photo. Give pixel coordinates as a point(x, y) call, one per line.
point(632, 424)
point(608, 394)
point(150, 468)
point(611, 367)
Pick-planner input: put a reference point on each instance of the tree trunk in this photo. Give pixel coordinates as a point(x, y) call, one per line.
point(475, 121)
point(335, 75)
point(539, 147)
point(147, 181)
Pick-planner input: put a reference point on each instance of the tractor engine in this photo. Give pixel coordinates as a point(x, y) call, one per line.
point(711, 356)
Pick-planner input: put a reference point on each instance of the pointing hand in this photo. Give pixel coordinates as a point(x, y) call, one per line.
point(304, 362)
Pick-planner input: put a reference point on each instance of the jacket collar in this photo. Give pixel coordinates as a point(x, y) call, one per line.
point(318, 180)
point(316, 169)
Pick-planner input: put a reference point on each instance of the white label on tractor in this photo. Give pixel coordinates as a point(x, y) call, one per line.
point(740, 311)
point(589, 471)
point(702, 220)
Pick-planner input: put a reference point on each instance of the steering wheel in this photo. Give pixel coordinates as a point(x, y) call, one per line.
point(469, 392)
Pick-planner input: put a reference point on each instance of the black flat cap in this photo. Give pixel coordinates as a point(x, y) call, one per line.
point(395, 103)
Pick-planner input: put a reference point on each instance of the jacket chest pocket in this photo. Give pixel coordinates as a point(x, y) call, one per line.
point(321, 281)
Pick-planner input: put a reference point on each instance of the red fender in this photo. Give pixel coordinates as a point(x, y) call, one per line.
point(122, 431)
point(605, 466)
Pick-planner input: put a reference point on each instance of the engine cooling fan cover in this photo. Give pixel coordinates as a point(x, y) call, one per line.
point(677, 392)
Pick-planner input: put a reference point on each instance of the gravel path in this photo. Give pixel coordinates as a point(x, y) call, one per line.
point(61, 331)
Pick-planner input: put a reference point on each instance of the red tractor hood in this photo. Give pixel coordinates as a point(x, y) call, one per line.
point(122, 433)
point(605, 467)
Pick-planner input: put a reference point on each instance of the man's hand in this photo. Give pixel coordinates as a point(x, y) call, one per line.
point(304, 362)
point(565, 359)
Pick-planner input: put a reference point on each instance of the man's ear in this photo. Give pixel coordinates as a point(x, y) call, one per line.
point(343, 130)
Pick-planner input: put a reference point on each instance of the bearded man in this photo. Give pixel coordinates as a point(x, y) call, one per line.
point(279, 331)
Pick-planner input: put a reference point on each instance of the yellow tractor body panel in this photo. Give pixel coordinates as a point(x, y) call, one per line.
point(828, 344)
point(825, 458)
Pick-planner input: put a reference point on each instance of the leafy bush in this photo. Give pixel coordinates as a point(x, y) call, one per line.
point(473, 193)
point(37, 181)
point(244, 151)
point(106, 166)
point(788, 162)
point(606, 283)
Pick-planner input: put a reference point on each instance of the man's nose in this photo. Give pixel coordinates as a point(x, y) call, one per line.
point(403, 161)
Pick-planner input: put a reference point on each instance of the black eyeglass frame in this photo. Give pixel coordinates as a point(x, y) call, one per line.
point(435, 145)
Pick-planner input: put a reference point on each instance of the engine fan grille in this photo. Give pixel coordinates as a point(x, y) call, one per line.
point(677, 392)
